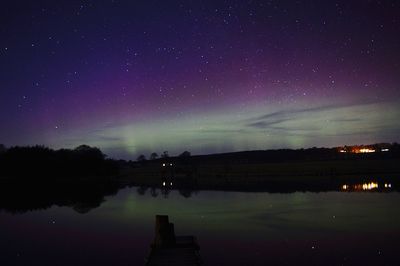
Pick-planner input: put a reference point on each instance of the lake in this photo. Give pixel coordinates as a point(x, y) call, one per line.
point(234, 228)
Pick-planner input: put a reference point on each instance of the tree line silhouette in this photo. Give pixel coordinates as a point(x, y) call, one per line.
point(40, 162)
point(38, 177)
point(165, 154)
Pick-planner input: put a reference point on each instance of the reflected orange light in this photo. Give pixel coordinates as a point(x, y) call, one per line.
point(369, 186)
point(364, 186)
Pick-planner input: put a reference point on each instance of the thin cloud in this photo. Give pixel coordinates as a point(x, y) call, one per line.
point(267, 124)
point(347, 120)
point(290, 113)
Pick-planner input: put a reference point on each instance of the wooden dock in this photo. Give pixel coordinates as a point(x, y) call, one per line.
point(168, 249)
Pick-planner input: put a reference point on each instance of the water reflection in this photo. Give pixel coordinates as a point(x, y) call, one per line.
point(83, 197)
point(165, 191)
point(256, 228)
point(370, 186)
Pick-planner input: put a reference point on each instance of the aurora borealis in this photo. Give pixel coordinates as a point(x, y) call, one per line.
point(135, 77)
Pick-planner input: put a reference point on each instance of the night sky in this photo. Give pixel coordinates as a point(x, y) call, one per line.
point(135, 77)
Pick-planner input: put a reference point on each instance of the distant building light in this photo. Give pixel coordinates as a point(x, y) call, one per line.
point(345, 187)
point(385, 150)
point(366, 150)
point(342, 151)
point(163, 164)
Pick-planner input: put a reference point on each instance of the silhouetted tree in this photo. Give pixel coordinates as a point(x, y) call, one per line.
point(92, 152)
point(2, 148)
point(153, 156)
point(141, 158)
point(153, 192)
point(142, 190)
point(165, 154)
point(187, 193)
point(185, 154)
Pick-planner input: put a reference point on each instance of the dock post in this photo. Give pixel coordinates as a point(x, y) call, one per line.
point(164, 231)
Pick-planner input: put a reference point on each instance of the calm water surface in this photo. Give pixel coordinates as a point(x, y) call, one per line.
point(235, 228)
